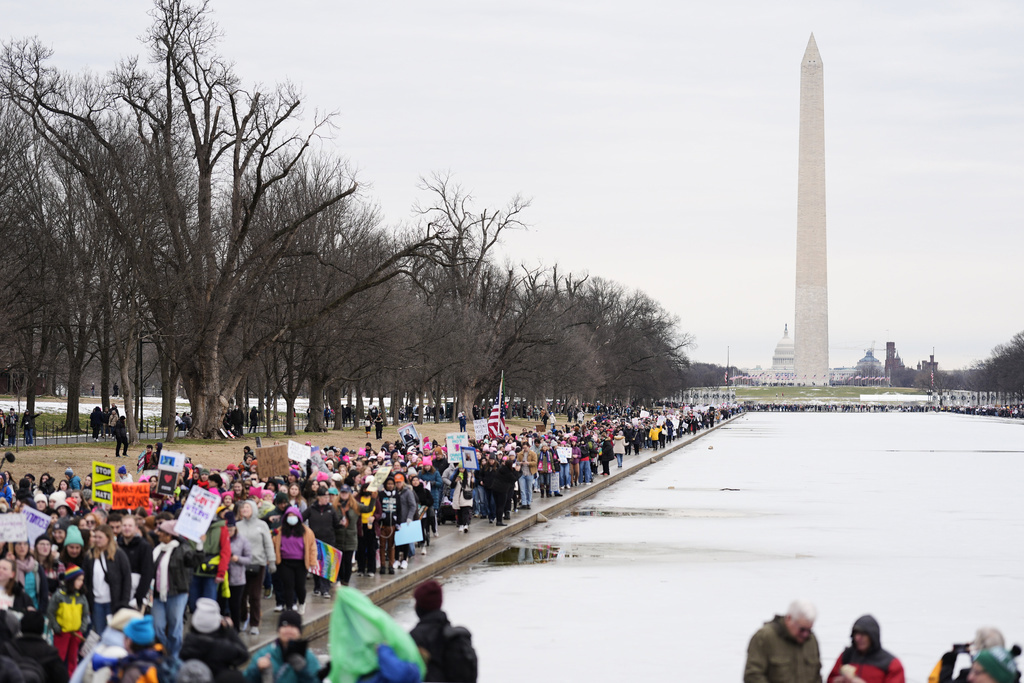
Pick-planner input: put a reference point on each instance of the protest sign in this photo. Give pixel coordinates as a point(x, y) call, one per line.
point(130, 495)
point(410, 532)
point(13, 528)
point(166, 480)
point(36, 524)
point(564, 453)
point(480, 428)
point(298, 452)
point(469, 459)
point(644, 414)
point(410, 437)
point(378, 479)
point(102, 482)
point(171, 461)
point(272, 461)
point(455, 441)
point(328, 561)
point(197, 514)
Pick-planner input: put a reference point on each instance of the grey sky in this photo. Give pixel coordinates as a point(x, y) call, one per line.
point(658, 141)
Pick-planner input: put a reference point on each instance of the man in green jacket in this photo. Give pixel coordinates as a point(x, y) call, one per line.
point(785, 650)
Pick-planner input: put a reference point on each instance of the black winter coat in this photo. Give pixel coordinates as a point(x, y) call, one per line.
point(140, 559)
point(322, 521)
point(34, 647)
point(119, 578)
point(220, 650)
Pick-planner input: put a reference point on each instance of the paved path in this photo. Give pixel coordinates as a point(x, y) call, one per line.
point(452, 548)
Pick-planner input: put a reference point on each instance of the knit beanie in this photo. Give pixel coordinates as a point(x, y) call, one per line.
point(141, 631)
point(194, 671)
point(428, 597)
point(998, 663)
point(72, 572)
point(74, 537)
point(206, 618)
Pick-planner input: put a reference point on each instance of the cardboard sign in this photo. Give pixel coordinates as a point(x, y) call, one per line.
point(13, 528)
point(564, 454)
point(36, 524)
point(379, 478)
point(171, 461)
point(102, 482)
point(409, 532)
point(197, 514)
point(469, 458)
point(166, 480)
point(480, 429)
point(128, 496)
point(299, 452)
point(272, 461)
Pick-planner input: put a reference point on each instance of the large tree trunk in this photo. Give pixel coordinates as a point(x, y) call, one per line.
point(315, 423)
point(105, 364)
point(359, 415)
point(334, 401)
point(289, 418)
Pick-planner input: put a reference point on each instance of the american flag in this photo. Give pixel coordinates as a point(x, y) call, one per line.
point(496, 423)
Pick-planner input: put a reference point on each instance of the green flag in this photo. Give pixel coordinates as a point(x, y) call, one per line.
point(357, 628)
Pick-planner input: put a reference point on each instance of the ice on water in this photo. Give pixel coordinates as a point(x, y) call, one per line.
point(915, 518)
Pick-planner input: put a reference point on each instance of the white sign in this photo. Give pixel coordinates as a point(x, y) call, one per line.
point(12, 528)
point(170, 460)
point(197, 514)
point(644, 414)
point(455, 441)
point(298, 452)
point(36, 523)
point(564, 454)
point(480, 429)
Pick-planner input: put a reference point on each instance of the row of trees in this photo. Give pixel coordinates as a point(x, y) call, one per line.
point(166, 203)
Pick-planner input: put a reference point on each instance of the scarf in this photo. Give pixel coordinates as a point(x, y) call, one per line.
point(23, 567)
point(162, 558)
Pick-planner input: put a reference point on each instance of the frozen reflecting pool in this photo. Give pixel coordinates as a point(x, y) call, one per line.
point(914, 518)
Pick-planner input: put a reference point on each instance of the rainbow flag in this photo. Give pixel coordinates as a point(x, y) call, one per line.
point(328, 561)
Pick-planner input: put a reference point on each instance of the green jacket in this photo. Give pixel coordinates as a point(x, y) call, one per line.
point(283, 672)
point(774, 656)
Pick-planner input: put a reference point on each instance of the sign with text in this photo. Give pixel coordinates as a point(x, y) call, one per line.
point(197, 514)
point(480, 429)
point(102, 482)
point(410, 437)
point(454, 442)
point(272, 461)
point(564, 454)
point(13, 528)
point(469, 458)
point(379, 477)
point(128, 496)
point(166, 480)
point(36, 524)
point(298, 452)
point(171, 461)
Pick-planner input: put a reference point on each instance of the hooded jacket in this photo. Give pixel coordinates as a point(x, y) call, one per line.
point(140, 559)
point(308, 539)
point(256, 531)
point(874, 666)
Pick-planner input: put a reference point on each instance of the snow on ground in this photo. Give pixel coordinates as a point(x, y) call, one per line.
point(915, 518)
point(151, 405)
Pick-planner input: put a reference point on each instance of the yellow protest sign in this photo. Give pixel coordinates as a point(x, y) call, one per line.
point(102, 482)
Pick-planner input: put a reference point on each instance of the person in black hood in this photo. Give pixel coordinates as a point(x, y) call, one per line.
point(447, 651)
point(865, 660)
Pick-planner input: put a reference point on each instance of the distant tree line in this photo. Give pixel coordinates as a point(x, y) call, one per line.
point(168, 207)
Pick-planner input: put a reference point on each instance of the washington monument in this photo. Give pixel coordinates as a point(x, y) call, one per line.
point(810, 329)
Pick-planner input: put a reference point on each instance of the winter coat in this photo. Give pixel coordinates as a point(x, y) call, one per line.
point(241, 549)
point(118, 577)
point(527, 460)
point(346, 536)
point(406, 504)
point(433, 479)
point(220, 650)
point(140, 560)
point(775, 656)
point(504, 479)
point(36, 648)
point(68, 613)
point(874, 666)
point(428, 635)
point(22, 602)
point(458, 501)
point(619, 445)
point(282, 671)
point(388, 501)
point(261, 544)
point(184, 559)
point(323, 520)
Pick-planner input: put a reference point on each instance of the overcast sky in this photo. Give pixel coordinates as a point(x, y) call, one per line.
point(658, 142)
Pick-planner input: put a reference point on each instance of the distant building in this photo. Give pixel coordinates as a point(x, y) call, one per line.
point(869, 366)
point(929, 365)
point(782, 359)
point(893, 362)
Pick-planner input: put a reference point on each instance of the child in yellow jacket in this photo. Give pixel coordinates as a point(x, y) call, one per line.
point(68, 614)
